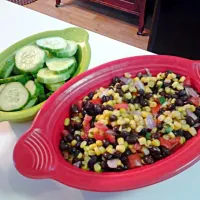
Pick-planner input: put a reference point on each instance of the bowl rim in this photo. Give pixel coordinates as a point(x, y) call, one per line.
point(144, 176)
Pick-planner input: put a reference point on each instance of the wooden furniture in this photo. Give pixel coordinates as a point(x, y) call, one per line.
point(136, 7)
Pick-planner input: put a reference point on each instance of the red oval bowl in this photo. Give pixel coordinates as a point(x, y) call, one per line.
point(37, 155)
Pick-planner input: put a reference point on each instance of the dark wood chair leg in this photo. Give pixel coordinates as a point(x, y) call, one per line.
point(141, 17)
point(58, 2)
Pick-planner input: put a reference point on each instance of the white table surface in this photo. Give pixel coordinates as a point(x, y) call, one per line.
point(17, 23)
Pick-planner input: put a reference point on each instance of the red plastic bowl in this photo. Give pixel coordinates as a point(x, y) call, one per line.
point(37, 154)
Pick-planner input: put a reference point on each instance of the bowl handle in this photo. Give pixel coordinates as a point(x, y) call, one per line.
point(196, 69)
point(34, 156)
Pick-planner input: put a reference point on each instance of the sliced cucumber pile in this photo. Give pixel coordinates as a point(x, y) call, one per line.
point(31, 75)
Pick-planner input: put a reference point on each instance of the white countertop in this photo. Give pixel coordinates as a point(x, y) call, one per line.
point(17, 23)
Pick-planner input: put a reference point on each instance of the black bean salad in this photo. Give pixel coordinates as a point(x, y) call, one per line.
point(135, 121)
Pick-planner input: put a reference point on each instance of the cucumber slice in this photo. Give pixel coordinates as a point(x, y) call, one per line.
point(53, 87)
point(69, 51)
point(72, 70)
point(60, 65)
point(19, 78)
point(52, 43)
point(2, 86)
point(30, 59)
point(31, 103)
point(32, 88)
point(47, 76)
point(14, 96)
point(6, 69)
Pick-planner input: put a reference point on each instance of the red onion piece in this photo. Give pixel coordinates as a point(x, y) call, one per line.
point(111, 132)
point(77, 164)
point(104, 93)
point(139, 85)
point(126, 80)
point(150, 122)
point(191, 92)
point(191, 114)
point(148, 72)
point(136, 112)
point(196, 125)
point(112, 163)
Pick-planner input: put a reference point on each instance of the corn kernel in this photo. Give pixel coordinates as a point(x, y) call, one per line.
point(144, 114)
point(97, 167)
point(167, 90)
point(144, 79)
point(80, 155)
point(185, 127)
point(182, 79)
point(126, 144)
point(86, 148)
point(124, 88)
point(77, 133)
point(110, 150)
point(180, 109)
point(179, 87)
point(91, 152)
point(132, 89)
point(175, 84)
point(139, 128)
point(147, 89)
point(192, 108)
point(183, 122)
point(67, 122)
point(192, 131)
point(167, 113)
point(99, 143)
point(102, 150)
point(159, 83)
point(90, 135)
point(177, 125)
point(121, 148)
point(171, 135)
point(74, 142)
point(95, 96)
point(120, 140)
point(136, 118)
point(147, 108)
point(166, 137)
point(155, 143)
point(168, 120)
point(92, 146)
point(153, 104)
point(128, 95)
point(154, 130)
point(174, 114)
point(110, 92)
point(132, 124)
point(148, 142)
point(173, 91)
point(151, 84)
point(96, 149)
point(182, 140)
point(142, 141)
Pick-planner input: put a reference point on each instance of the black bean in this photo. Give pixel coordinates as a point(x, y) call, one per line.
point(148, 95)
point(92, 162)
point(172, 107)
point(107, 156)
point(144, 102)
point(148, 159)
point(77, 138)
point(143, 132)
point(190, 121)
point(132, 101)
point(63, 146)
point(156, 135)
point(157, 156)
point(141, 92)
point(124, 159)
point(92, 123)
point(90, 95)
point(75, 160)
point(184, 98)
point(175, 96)
point(187, 135)
point(180, 132)
point(111, 97)
point(165, 151)
point(69, 138)
point(104, 99)
point(155, 150)
point(74, 151)
point(125, 167)
point(168, 96)
point(118, 86)
point(84, 112)
point(137, 100)
point(160, 126)
point(70, 128)
point(113, 118)
point(74, 109)
point(108, 107)
point(106, 143)
point(166, 84)
point(178, 76)
point(116, 80)
point(131, 139)
point(124, 126)
point(116, 129)
point(78, 126)
point(197, 111)
point(88, 106)
point(90, 141)
point(181, 93)
point(78, 144)
point(98, 109)
point(117, 154)
point(127, 152)
point(168, 72)
point(120, 92)
point(179, 102)
point(124, 134)
point(104, 164)
point(119, 168)
point(139, 75)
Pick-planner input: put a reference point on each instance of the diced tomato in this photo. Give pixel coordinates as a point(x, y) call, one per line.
point(156, 109)
point(65, 132)
point(96, 101)
point(137, 146)
point(175, 140)
point(86, 126)
point(101, 126)
point(98, 136)
point(135, 93)
point(187, 81)
point(195, 100)
point(80, 105)
point(166, 143)
point(121, 105)
point(134, 160)
point(110, 137)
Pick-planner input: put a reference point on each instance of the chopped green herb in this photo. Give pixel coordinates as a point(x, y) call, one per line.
point(168, 129)
point(162, 100)
point(148, 136)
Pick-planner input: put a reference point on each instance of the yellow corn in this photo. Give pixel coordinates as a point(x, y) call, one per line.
point(166, 137)
point(124, 88)
point(142, 141)
point(174, 114)
point(74, 142)
point(139, 128)
point(145, 114)
point(110, 92)
point(180, 87)
point(102, 149)
point(192, 131)
point(128, 95)
point(177, 125)
point(168, 120)
point(171, 135)
point(182, 79)
point(110, 150)
point(121, 148)
point(147, 108)
point(126, 144)
point(91, 152)
point(97, 167)
point(120, 140)
point(185, 127)
point(153, 104)
point(155, 143)
point(99, 143)
point(80, 155)
point(95, 96)
point(92, 146)
point(175, 84)
point(96, 149)
point(132, 124)
point(182, 140)
point(77, 133)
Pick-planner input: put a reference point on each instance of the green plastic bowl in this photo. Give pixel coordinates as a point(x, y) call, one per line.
point(83, 56)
